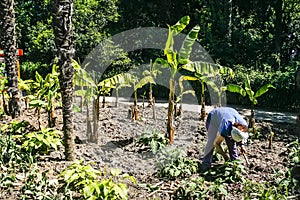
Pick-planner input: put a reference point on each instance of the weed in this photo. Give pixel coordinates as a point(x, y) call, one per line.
point(294, 154)
point(85, 180)
point(254, 190)
point(173, 163)
point(229, 172)
point(155, 140)
point(42, 142)
point(38, 186)
point(191, 189)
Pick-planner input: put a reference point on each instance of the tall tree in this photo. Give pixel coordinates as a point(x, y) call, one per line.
point(62, 25)
point(8, 43)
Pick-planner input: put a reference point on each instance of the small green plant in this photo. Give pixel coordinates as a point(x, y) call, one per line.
point(294, 154)
point(94, 184)
point(217, 189)
point(251, 95)
point(173, 163)
point(10, 148)
point(193, 188)
point(262, 191)
point(42, 142)
point(39, 186)
point(155, 140)
point(229, 172)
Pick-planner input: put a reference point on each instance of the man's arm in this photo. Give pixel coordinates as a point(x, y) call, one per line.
point(217, 144)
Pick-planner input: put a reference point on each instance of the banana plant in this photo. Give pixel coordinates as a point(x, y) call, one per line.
point(154, 71)
point(148, 78)
point(47, 90)
point(174, 62)
point(251, 95)
point(26, 86)
point(123, 82)
point(181, 93)
point(90, 89)
point(38, 105)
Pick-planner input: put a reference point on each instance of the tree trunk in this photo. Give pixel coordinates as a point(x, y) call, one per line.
point(62, 25)
point(153, 109)
point(150, 95)
point(96, 106)
point(278, 29)
point(170, 122)
point(203, 112)
point(298, 117)
point(252, 121)
point(8, 43)
point(117, 98)
point(89, 131)
point(135, 107)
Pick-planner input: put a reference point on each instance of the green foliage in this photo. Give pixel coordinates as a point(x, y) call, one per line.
point(247, 90)
point(230, 172)
point(284, 81)
point(294, 155)
point(155, 140)
point(84, 179)
point(217, 189)
point(42, 142)
point(38, 185)
point(173, 163)
point(262, 191)
point(191, 189)
point(198, 188)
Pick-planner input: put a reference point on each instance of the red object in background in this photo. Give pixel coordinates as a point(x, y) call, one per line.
point(19, 52)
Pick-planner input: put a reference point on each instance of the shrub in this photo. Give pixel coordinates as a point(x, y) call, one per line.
point(83, 178)
point(155, 140)
point(173, 163)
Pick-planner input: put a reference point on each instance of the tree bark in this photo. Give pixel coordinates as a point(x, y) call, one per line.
point(298, 117)
point(62, 25)
point(8, 43)
point(278, 28)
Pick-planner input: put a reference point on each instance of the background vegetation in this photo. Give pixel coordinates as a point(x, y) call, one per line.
point(258, 37)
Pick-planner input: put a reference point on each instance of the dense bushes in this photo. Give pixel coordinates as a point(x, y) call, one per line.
point(285, 96)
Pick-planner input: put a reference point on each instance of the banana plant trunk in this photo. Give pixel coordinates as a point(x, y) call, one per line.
point(203, 111)
point(62, 26)
point(252, 120)
point(150, 95)
point(96, 116)
point(135, 107)
point(9, 45)
point(153, 109)
point(89, 131)
point(103, 101)
point(52, 116)
point(170, 122)
point(117, 98)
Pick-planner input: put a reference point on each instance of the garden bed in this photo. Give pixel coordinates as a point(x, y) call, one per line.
point(117, 147)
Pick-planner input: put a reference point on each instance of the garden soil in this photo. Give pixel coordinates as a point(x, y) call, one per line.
point(116, 147)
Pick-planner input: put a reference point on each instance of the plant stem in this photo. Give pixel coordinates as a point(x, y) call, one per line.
point(170, 126)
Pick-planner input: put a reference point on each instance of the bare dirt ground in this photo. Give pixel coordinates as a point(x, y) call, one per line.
point(117, 148)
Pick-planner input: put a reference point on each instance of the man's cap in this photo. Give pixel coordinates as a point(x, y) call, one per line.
point(238, 135)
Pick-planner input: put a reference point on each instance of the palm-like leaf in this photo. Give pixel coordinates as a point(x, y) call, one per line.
point(145, 80)
point(226, 71)
point(180, 25)
point(263, 90)
point(173, 31)
point(203, 68)
point(249, 90)
point(186, 48)
point(236, 88)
